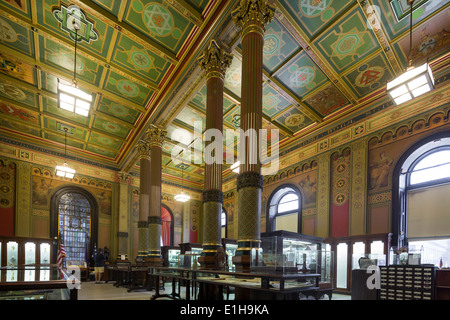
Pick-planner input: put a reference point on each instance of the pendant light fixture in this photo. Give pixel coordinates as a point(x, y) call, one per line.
point(71, 98)
point(65, 171)
point(415, 81)
point(182, 197)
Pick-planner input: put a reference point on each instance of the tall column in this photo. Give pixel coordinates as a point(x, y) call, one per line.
point(251, 17)
point(155, 136)
point(214, 62)
point(143, 148)
point(122, 234)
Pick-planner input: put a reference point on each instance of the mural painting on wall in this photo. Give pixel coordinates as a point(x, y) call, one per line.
point(7, 197)
point(44, 187)
point(380, 164)
point(228, 205)
point(308, 187)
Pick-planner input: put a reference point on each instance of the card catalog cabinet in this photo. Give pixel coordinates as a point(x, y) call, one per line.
point(407, 282)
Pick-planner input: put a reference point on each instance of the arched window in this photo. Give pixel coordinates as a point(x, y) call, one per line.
point(74, 220)
point(223, 223)
point(422, 219)
point(284, 210)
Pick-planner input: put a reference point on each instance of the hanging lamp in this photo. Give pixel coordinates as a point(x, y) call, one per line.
point(71, 98)
point(415, 81)
point(182, 197)
point(64, 170)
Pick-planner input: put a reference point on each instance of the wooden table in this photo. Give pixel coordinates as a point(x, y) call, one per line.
point(275, 285)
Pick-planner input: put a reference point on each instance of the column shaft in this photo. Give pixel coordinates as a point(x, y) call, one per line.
point(144, 198)
point(156, 136)
point(214, 61)
point(251, 16)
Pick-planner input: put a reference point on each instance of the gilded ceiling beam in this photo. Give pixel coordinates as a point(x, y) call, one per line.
point(187, 11)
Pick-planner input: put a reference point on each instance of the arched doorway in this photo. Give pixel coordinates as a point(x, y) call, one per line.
point(74, 219)
point(167, 226)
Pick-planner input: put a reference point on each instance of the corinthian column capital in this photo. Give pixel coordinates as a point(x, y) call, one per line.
point(156, 136)
point(254, 14)
point(215, 60)
point(143, 148)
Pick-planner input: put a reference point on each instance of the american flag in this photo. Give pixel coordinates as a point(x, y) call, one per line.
point(60, 256)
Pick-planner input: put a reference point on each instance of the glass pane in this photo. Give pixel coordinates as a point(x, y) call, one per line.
point(74, 210)
point(358, 252)
point(287, 203)
point(434, 251)
point(341, 266)
point(12, 249)
point(433, 167)
point(44, 274)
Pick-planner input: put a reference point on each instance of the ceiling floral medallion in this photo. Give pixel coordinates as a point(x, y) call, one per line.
point(127, 88)
point(12, 92)
point(111, 127)
point(7, 32)
point(271, 44)
point(369, 76)
point(68, 15)
point(313, 8)
point(302, 76)
point(158, 19)
point(294, 120)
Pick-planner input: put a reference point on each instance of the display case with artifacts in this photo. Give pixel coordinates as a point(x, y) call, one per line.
point(284, 251)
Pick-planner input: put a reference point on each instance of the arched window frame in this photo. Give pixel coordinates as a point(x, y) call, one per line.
point(54, 216)
point(223, 224)
point(401, 181)
point(274, 200)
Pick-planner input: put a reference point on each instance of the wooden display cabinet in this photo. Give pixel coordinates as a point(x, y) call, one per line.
point(27, 259)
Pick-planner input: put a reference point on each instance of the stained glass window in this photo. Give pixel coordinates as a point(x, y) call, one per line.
point(75, 225)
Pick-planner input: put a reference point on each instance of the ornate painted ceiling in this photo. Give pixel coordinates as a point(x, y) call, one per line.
point(323, 60)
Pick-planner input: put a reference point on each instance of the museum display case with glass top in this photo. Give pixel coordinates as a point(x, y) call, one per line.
point(283, 251)
point(170, 255)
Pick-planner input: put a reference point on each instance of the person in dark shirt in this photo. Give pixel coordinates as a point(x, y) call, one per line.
point(99, 265)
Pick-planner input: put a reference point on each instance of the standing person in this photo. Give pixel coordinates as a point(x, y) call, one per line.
point(99, 265)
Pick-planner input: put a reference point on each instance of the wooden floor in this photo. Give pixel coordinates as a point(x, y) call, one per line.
point(107, 291)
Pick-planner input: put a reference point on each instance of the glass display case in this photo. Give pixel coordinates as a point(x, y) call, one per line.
point(170, 255)
point(190, 247)
point(230, 246)
point(283, 251)
point(188, 260)
point(173, 257)
point(30, 261)
point(12, 259)
point(31, 255)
